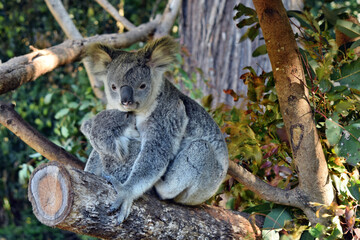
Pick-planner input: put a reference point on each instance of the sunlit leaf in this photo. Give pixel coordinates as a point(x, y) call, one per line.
point(276, 218)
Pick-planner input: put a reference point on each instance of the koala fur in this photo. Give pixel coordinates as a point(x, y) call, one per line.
point(115, 143)
point(183, 153)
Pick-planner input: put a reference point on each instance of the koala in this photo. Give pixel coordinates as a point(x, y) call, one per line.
point(115, 143)
point(183, 154)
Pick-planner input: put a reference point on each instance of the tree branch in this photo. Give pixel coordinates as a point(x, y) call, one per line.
point(13, 121)
point(168, 18)
point(294, 104)
point(58, 10)
point(81, 201)
point(115, 14)
point(29, 67)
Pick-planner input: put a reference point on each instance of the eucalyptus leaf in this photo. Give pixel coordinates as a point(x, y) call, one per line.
point(276, 218)
point(348, 28)
point(63, 112)
point(261, 50)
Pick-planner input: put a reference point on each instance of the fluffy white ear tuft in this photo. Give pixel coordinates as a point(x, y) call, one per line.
point(100, 55)
point(161, 53)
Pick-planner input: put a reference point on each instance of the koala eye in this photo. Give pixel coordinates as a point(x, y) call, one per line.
point(113, 87)
point(142, 86)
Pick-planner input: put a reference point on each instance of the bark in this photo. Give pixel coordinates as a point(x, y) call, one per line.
point(314, 182)
point(11, 120)
point(80, 202)
point(20, 70)
point(168, 18)
point(212, 42)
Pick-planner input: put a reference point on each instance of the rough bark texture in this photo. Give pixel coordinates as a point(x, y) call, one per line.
point(80, 202)
point(29, 67)
point(210, 35)
point(314, 182)
point(11, 120)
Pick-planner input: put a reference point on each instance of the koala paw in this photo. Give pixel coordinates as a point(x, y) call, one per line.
point(123, 203)
point(112, 180)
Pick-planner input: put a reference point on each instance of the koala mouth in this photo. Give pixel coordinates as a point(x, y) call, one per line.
point(130, 107)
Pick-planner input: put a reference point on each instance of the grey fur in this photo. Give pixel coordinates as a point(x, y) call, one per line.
point(183, 152)
point(115, 143)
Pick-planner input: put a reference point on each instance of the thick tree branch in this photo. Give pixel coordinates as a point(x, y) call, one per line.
point(294, 103)
point(20, 70)
point(168, 18)
point(81, 201)
point(11, 120)
point(115, 14)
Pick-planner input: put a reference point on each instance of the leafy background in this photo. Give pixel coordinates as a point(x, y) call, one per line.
point(58, 102)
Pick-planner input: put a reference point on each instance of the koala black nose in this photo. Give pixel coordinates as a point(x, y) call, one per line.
point(127, 95)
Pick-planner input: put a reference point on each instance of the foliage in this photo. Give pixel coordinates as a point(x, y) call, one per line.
point(54, 104)
point(332, 74)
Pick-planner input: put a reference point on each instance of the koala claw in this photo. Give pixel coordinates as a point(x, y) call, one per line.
point(124, 204)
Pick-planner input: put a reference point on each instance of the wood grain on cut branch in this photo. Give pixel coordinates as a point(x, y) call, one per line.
point(168, 18)
point(80, 202)
point(13, 121)
point(115, 14)
point(20, 70)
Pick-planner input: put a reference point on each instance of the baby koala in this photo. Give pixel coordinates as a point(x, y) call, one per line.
point(115, 143)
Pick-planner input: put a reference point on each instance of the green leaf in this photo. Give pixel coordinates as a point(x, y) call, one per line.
point(325, 85)
point(301, 17)
point(247, 22)
point(317, 231)
point(333, 131)
point(354, 189)
point(306, 236)
point(348, 28)
point(73, 105)
point(349, 145)
point(264, 208)
point(243, 10)
point(62, 113)
point(276, 218)
point(355, 44)
point(348, 75)
point(259, 51)
point(47, 98)
point(330, 15)
point(64, 131)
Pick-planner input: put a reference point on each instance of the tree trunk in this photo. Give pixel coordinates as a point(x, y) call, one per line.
point(77, 201)
point(314, 183)
point(210, 35)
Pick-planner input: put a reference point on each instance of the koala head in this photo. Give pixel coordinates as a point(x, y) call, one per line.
point(110, 132)
point(132, 79)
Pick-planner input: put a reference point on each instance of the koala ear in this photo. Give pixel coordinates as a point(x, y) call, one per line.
point(100, 55)
point(161, 52)
point(86, 127)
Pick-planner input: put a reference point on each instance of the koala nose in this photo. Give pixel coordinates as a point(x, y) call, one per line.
point(127, 95)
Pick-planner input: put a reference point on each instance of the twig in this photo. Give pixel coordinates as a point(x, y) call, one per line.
point(168, 18)
point(115, 14)
point(59, 12)
point(13, 121)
